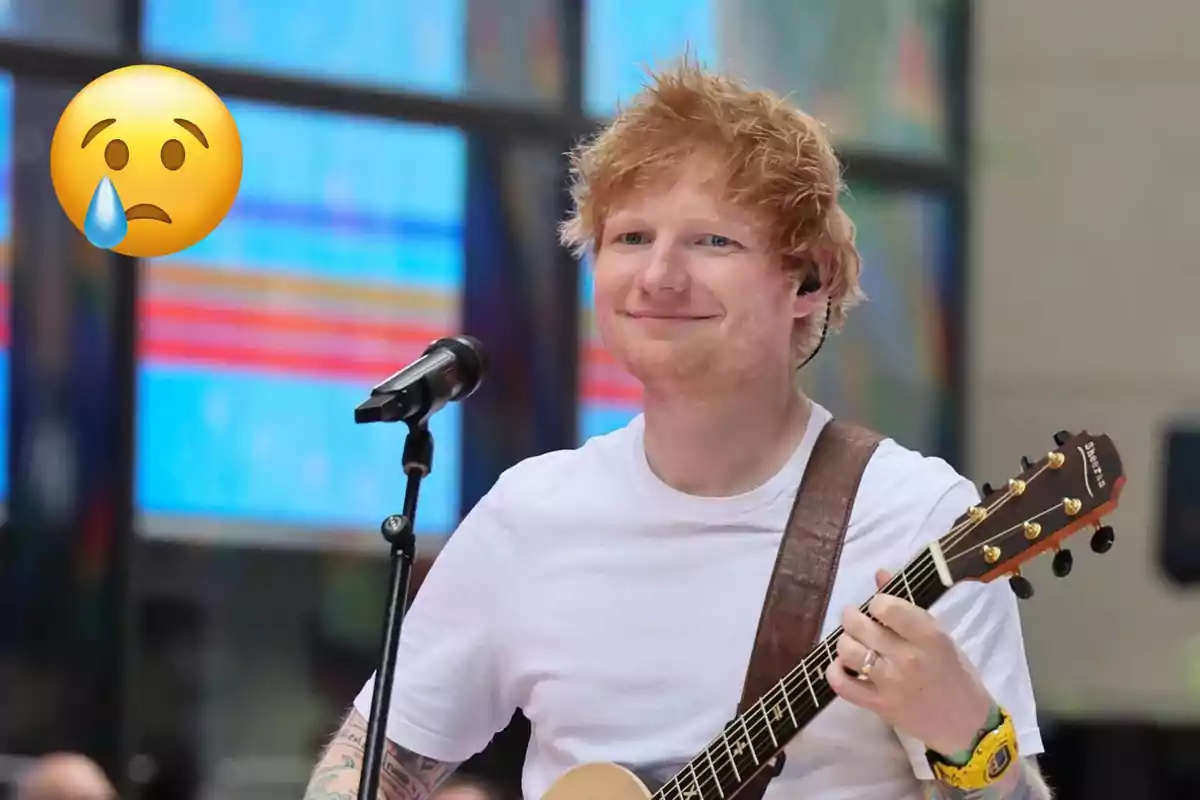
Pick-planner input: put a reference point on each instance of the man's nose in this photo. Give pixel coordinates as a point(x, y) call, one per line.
point(666, 270)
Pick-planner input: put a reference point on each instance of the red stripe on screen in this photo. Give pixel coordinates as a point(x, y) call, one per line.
point(246, 356)
point(290, 322)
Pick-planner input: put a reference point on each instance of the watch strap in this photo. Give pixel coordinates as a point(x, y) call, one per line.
point(960, 758)
point(991, 758)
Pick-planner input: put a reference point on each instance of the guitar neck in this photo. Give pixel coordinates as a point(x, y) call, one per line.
point(758, 734)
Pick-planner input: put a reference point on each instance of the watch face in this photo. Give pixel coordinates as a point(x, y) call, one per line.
point(999, 762)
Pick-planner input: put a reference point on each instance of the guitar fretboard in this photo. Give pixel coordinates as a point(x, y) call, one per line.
point(758, 734)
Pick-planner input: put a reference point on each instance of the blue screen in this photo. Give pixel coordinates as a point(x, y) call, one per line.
point(339, 262)
point(625, 37)
point(871, 71)
point(407, 43)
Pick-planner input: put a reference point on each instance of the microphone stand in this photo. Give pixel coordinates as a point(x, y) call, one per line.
point(398, 532)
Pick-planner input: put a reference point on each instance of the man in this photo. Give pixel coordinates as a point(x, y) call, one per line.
point(613, 592)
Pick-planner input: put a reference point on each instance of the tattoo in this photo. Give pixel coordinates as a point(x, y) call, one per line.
point(327, 773)
point(404, 775)
point(1024, 782)
point(409, 776)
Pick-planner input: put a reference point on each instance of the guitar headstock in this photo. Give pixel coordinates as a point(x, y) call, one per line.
point(1073, 487)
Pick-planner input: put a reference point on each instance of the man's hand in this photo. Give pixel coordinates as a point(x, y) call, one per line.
point(405, 775)
point(920, 683)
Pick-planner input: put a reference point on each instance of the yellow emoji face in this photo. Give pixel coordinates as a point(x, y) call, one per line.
point(146, 161)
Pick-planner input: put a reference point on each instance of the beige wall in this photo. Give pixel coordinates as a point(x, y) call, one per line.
point(1085, 314)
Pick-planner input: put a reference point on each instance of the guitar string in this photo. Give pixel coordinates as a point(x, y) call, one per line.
point(789, 687)
point(791, 682)
point(821, 655)
point(753, 739)
point(784, 690)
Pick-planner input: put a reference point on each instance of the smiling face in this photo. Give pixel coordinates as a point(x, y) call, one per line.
point(688, 288)
point(167, 143)
point(719, 252)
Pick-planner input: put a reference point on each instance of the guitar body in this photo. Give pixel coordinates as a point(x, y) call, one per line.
point(598, 782)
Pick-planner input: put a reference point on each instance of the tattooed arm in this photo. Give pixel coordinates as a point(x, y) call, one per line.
point(1023, 783)
point(404, 776)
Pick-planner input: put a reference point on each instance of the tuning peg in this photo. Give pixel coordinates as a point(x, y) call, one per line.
point(1102, 539)
point(1062, 563)
point(1062, 437)
point(1025, 462)
point(1021, 586)
point(987, 489)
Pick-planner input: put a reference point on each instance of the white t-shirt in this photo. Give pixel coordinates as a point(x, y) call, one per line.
point(619, 615)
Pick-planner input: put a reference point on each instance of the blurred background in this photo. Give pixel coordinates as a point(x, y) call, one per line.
point(191, 573)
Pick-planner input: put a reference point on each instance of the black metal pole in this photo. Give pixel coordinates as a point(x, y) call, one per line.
point(399, 532)
point(119, 733)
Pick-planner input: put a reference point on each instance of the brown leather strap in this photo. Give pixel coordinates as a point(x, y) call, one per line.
point(798, 594)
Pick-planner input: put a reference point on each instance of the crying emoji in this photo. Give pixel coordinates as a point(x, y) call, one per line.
point(146, 161)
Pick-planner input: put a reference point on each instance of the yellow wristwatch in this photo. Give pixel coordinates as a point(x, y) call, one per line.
point(991, 757)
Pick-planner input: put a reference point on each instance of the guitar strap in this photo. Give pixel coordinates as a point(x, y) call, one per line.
point(798, 593)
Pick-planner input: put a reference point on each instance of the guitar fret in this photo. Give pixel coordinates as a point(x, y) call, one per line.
point(729, 753)
point(777, 711)
point(788, 702)
point(829, 650)
point(749, 741)
point(767, 720)
point(695, 790)
point(907, 588)
point(808, 679)
point(713, 768)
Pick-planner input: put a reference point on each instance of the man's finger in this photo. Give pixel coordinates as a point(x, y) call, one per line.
point(882, 576)
point(872, 635)
point(861, 693)
point(906, 620)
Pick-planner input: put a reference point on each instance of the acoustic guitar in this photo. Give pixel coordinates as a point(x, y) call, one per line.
point(1073, 487)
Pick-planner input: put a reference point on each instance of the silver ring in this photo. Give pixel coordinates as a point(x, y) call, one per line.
point(864, 672)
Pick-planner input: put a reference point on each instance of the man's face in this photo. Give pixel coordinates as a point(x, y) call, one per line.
point(687, 291)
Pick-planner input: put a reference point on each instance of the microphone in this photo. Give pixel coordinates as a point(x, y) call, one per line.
point(449, 369)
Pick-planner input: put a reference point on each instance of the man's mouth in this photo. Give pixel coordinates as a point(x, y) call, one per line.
point(147, 211)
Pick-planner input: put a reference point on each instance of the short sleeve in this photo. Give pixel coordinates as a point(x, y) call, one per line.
point(449, 697)
point(984, 620)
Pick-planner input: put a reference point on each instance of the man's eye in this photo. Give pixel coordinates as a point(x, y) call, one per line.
point(631, 238)
point(716, 240)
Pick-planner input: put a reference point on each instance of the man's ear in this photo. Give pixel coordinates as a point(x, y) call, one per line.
point(809, 296)
point(811, 284)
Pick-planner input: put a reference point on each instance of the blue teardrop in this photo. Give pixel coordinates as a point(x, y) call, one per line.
point(105, 224)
